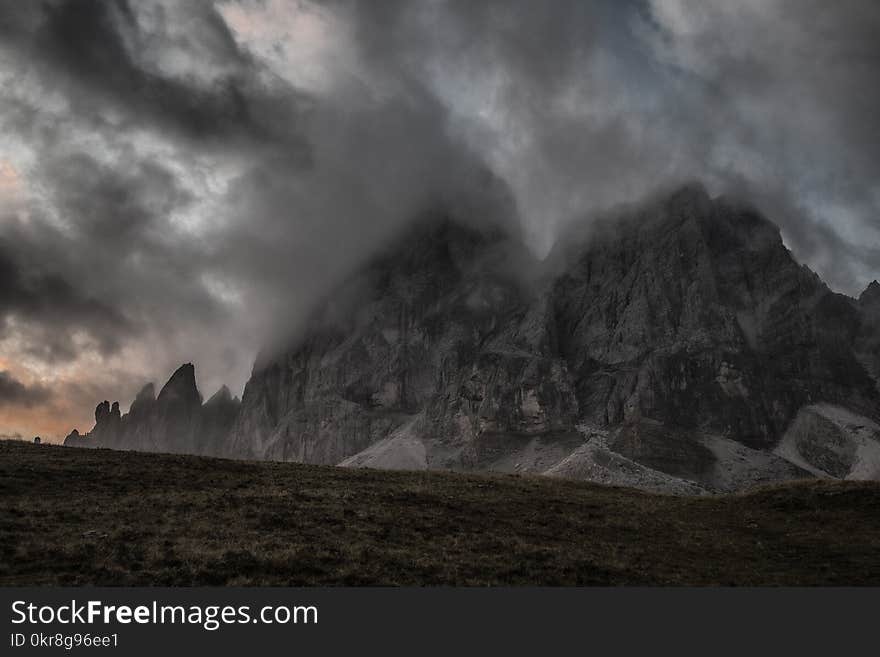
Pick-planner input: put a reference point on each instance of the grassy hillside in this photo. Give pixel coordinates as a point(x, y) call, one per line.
point(77, 516)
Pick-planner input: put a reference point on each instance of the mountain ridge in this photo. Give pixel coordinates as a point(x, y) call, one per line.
point(682, 336)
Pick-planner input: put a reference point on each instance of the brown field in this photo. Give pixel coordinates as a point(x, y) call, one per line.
point(96, 517)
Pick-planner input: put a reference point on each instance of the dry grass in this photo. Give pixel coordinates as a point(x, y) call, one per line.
point(76, 516)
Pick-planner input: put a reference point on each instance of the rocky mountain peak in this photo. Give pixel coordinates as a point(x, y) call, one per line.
point(102, 411)
point(175, 421)
point(106, 413)
point(147, 393)
point(437, 246)
point(871, 296)
point(222, 396)
point(182, 387)
point(691, 197)
point(144, 400)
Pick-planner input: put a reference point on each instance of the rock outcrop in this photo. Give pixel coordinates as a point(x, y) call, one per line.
point(176, 421)
point(678, 347)
point(868, 341)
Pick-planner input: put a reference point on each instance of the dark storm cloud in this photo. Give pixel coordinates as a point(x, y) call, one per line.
point(560, 99)
point(100, 259)
point(14, 392)
point(95, 50)
point(126, 140)
point(783, 92)
point(593, 104)
point(295, 232)
point(112, 208)
point(32, 293)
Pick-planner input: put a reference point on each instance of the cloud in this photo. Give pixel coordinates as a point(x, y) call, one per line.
point(579, 106)
point(127, 64)
point(184, 199)
point(14, 392)
point(34, 295)
point(785, 93)
point(533, 89)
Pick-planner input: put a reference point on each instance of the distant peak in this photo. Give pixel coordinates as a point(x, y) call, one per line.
point(147, 393)
point(434, 232)
point(223, 395)
point(144, 399)
point(692, 188)
point(871, 295)
point(690, 194)
point(104, 412)
point(182, 385)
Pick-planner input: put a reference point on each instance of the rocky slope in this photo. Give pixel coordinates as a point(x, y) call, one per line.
point(678, 347)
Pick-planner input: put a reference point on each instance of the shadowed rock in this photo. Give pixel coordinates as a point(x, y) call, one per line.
point(175, 421)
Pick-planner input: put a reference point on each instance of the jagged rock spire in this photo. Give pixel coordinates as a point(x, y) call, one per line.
point(221, 396)
point(182, 386)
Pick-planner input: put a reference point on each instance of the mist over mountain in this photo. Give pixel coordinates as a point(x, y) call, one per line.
point(679, 348)
point(186, 181)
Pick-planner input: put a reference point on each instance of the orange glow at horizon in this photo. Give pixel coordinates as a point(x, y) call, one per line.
point(51, 425)
point(10, 180)
point(52, 420)
point(13, 192)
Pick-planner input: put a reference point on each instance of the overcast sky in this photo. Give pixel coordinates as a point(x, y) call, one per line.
point(180, 180)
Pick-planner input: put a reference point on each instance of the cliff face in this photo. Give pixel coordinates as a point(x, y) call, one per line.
point(695, 314)
point(438, 334)
point(868, 342)
point(681, 339)
point(175, 421)
point(677, 348)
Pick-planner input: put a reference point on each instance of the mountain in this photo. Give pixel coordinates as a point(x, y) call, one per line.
point(437, 342)
point(677, 347)
point(176, 421)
